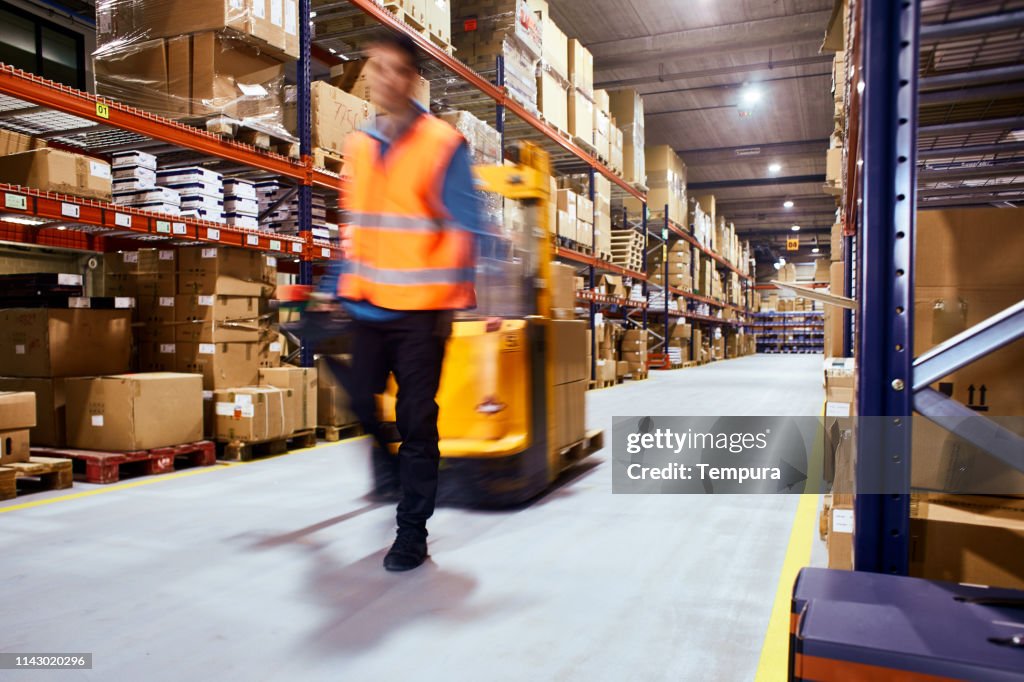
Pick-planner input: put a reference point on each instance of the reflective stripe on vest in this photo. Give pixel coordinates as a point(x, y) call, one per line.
point(404, 252)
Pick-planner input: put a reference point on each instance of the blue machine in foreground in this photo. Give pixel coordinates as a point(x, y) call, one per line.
point(863, 626)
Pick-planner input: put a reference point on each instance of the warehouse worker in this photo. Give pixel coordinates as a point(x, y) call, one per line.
point(412, 213)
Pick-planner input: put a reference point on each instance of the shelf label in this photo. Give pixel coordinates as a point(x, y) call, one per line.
point(296, 247)
point(102, 110)
point(207, 348)
point(78, 302)
point(96, 420)
point(122, 220)
point(16, 201)
point(326, 253)
point(252, 240)
point(213, 233)
point(70, 210)
point(179, 228)
point(163, 226)
point(166, 254)
point(209, 253)
point(166, 347)
point(271, 262)
point(131, 257)
point(124, 302)
point(842, 520)
point(275, 245)
point(166, 301)
point(206, 300)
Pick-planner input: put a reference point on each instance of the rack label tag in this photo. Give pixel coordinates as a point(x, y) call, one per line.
point(102, 110)
point(131, 257)
point(122, 220)
point(326, 253)
point(163, 226)
point(252, 240)
point(209, 253)
point(70, 210)
point(296, 247)
point(213, 233)
point(179, 228)
point(16, 201)
point(166, 347)
point(275, 245)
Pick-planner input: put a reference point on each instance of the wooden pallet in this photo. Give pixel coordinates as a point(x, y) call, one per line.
point(106, 467)
point(250, 132)
point(598, 384)
point(332, 434)
point(328, 160)
point(588, 147)
point(242, 451)
point(38, 473)
point(639, 375)
point(591, 443)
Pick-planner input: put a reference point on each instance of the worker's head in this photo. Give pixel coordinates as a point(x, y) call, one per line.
point(393, 70)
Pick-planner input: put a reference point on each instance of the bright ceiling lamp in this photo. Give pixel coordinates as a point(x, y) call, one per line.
point(750, 95)
point(796, 228)
point(788, 203)
point(775, 168)
point(815, 250)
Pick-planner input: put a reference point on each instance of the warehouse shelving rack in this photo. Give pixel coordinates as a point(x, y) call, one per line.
point(773, 327)
point(882, 199)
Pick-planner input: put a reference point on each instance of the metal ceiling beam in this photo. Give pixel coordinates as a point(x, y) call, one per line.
point(959, 79)
point(662, 77)
point(805, 27)
point(1003, 91)
point(968, 202)
point(712, 155)
point(965, 191)
point(997, 170)
point(736, 86)
point(739, 204)
point(989, 23)
point(975, 150)
point(963, 127)
point(756, 182)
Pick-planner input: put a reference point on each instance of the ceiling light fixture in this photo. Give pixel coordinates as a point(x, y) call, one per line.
point(750, 95)
point(815, 250)
point(796, 228)
point(788, 203)
point(775, 168)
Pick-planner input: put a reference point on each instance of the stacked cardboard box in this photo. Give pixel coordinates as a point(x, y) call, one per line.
point(333, 405)
point(581, 92)
point(634, 351)
point(616, 144)
point(666, 182)
point(568, 341)
point(252, 414)
point(563, 289)
point(704, 215)
point(41, 348)
point(607, 336)
point(17, 417)
point(334, 115)
point(833, 315)
point(836, 249)
point(485, 148)
point(676, 259)
point(241, 205)
point(55, 170)
point(16, 143)
point(602, 125)
point(301, 398)
point(200, 191)
point(628, 109)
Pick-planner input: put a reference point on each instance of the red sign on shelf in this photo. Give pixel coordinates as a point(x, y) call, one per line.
point(469, 25)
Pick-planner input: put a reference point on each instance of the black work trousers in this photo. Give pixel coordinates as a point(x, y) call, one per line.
point(411, 347)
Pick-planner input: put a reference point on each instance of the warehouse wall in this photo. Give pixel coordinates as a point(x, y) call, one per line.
point(54, 15)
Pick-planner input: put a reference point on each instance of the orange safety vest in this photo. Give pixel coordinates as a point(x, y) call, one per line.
point(405, 252)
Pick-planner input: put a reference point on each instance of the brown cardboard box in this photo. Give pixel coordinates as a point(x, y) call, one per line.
point(226, 271)
point(580, 115)
point(568, 346)
point(836, 250)
point(17, 410)
point(209, 318)
point(634, 340)
point(302, 381)
point(621, 369)
point(156, 316)
point(251, 414)
point(49, 408)
point(569, 410)
point(135, 73)
point(157, 356)
point(352, 78)
point(16, 143)
point(37, 342)
point(55, 170)
point(556, 47)
point(335, 115)
point(581, 68)
point(966, 538)
point(839, 540)
point(134, 411)
point(333, 405)
point(270, 349)
point(552, 99)
point(222, 365)
point(235, 79)
point(563, 292)
point(14, 446)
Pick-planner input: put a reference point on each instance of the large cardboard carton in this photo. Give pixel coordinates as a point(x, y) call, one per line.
point(839, 538)
point(332, 403)
point(581, 68)
point(570, 411)
point(556, 48)
point(16, 143)
point(222, 365)
point(967, 538)
point(563, 288)
point(552, 100)
point(14, 446)
point(226, 271)
point(211, 318)
point(251, 414)
point(55, 170)
point(302, 382)
point(17, 410)
point(49, 408)
point(134, 411)
point(235, 79)
point(38, 342)
point(568, 343)
point(335, 115)
point(135, 73)
point(580, 115)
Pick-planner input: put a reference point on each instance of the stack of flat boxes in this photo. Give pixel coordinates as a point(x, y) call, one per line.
point(679, 276)
point(241, 207)
point(628, 109)
point(581, 91)
point(554, 93)
point(567, 202)
point(570, 375)
point(134, 184)
point(634, 351)
point(602, 126)
point(201, 191)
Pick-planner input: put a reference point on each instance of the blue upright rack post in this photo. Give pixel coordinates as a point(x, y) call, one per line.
point(304, 125)
point(889, 116)
point(499, 108)
point(593, 305)
point(848, 292)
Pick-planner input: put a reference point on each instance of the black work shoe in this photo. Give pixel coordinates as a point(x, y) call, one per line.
point(407, 553)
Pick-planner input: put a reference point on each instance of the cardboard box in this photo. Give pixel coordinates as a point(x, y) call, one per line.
point(568, 348)
point(552, 100)
point(581, 68)
point(157, 356)
point(302, 381)
point(17, 410)
point(251, 414)
point(580, 115)
point(222, 365)
point(621, 369)
point(839, 537)
point(234, 79)
point(567, 226)
point(333, 406)
point(966, 538)
point(335, 115)
point(563, 289)
point(55, 170)
point(556, 48)
point(834, 167)
point(49, 408)
point(836, 251)
point(39, 342)
point(210, 318)
point(226, 271)
point(570, 413)
point(14, 446)
point(135, 72)
point(134, 411)
point(16, 143)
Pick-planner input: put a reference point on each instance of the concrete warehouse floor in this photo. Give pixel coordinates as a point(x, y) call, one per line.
point(272, 571)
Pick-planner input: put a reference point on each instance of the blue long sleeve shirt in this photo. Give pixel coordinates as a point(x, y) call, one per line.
point(460, 200)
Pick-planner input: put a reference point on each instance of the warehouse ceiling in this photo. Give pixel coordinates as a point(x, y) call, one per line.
point(692, 62)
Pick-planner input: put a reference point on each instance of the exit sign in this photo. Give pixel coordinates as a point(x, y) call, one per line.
point(793, 244)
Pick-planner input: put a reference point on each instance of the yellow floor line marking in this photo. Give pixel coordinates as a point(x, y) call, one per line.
point(775, 651)
point(219, 466)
